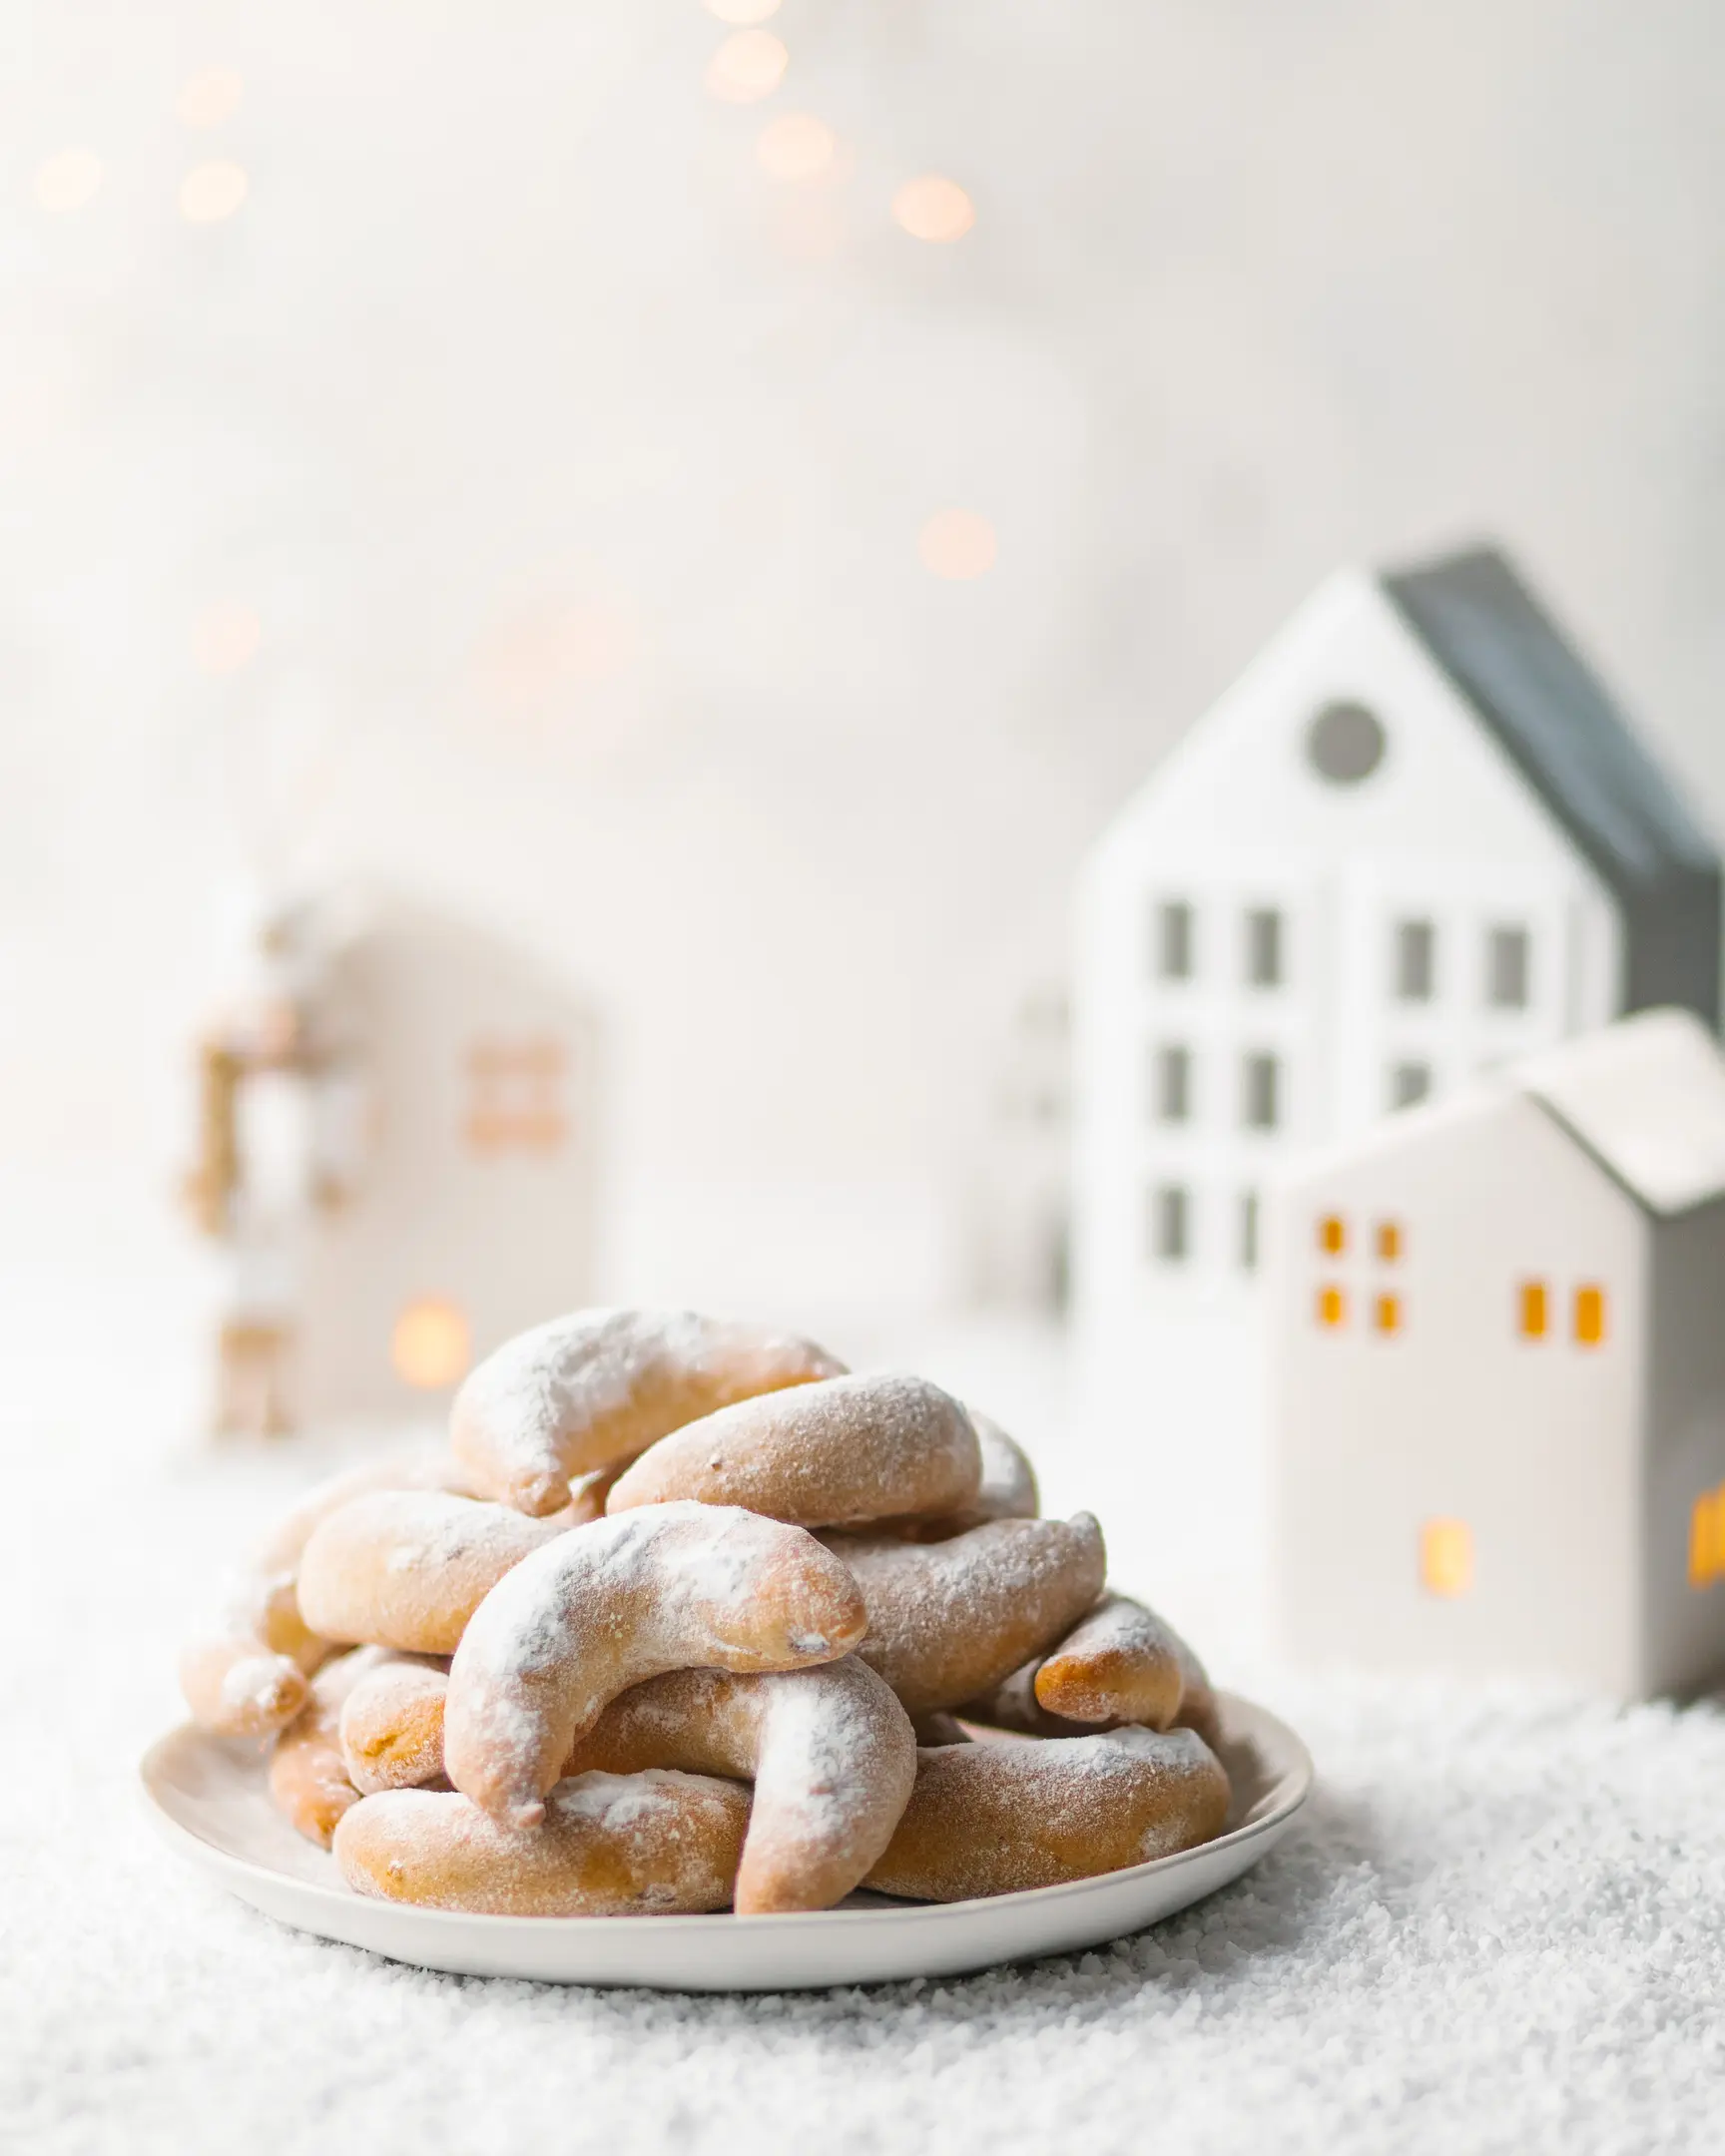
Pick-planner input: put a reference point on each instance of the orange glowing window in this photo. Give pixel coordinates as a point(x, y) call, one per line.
point(1590, 1316)
point(515, 1096)
point(1447, 1557)
point(430, 1345)
point(1331, 1307)
point(1387, 1313)
point(1535, 1310)
point(1707, 1537)
point(1332, 1234)
point(1388, 1241)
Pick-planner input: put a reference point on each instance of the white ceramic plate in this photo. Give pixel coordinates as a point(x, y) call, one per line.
point(208, 1798)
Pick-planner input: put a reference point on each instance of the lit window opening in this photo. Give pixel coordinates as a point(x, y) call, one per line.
point(1535, 1311)
point(1589, 1317)
point(1447, 1557)
point(1332, 1307)
point(1333, 1235)
point(1390, 1241)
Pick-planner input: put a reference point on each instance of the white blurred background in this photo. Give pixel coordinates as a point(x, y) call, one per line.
point(522, 454)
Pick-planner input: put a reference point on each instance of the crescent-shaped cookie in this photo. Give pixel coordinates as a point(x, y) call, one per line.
point(407, 1568)
point(949, 1620)
point(246, 1676)
point(603, 1607)
point(308, 1779)
point(1008, 1489)
point(647, 1844)
point(391, 1726)
point(993, 1819)
point(1120, 1663)
point(595, 1388)
point(847, 1450)
point(829, 1751)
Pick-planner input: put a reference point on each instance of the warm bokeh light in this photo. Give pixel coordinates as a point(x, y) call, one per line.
point(933, 207)
point(741, 11)
point(210, 97)
point(796, 145)
point(749, 65)
point(957, 544)
point(560, 646)
point(209, 193)
point(430, 1345)
point(67, 180)
point(225, 639)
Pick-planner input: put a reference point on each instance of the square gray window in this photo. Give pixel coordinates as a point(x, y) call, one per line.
point(1507, 968)
point(1261, 1092)
point(1171, 1085)
point(1409, 1082)
point(1415, 961)
point(1175, 940)
point(1170, 1223)
point(1249, 1231)
point(1263, 947)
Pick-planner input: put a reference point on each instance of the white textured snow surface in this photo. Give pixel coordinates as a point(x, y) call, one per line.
point(1500, 1925)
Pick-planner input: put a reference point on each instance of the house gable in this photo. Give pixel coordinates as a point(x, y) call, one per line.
point(1557, 724)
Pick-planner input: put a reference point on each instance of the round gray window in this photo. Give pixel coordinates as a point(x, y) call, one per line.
point(1345, 742)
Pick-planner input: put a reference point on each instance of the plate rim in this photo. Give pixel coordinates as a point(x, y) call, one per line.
point(1298, 1776)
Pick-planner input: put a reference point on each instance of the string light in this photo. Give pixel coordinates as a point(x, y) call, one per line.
point(750, 65)
point(225, 639)
point(741, 11)
point(933, 207)
point(210, 97)
point(796, 145)
point(957, 544)
point(67, 181)
point(209, 193)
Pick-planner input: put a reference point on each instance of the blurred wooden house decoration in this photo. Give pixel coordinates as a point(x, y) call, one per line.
point(1415, 840)
point(1497, 1375)
point(396, 1163)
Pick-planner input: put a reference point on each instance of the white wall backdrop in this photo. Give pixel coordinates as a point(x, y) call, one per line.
point(568, 471)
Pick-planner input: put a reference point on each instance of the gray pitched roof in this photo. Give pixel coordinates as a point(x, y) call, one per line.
point(1557, 724)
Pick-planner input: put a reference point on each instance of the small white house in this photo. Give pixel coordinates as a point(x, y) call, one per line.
point(1497, 1375)
point(1416, 840)
point(396, 1160)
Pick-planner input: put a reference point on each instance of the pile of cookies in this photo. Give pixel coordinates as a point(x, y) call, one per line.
point(688, 1619)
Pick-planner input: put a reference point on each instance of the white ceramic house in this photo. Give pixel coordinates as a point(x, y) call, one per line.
point(1499, 1374)
point(1414, 840)
point(399, 1163)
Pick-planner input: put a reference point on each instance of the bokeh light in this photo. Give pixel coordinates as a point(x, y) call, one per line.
point(933, 207)
point(430, 1345)
point(67, 181)
point(559, 646)
point(749, 65)
point(743, 11)
point(957, 544)
point(209, 193)
point(210, 97)
point(796, 145)
point(225, 639)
